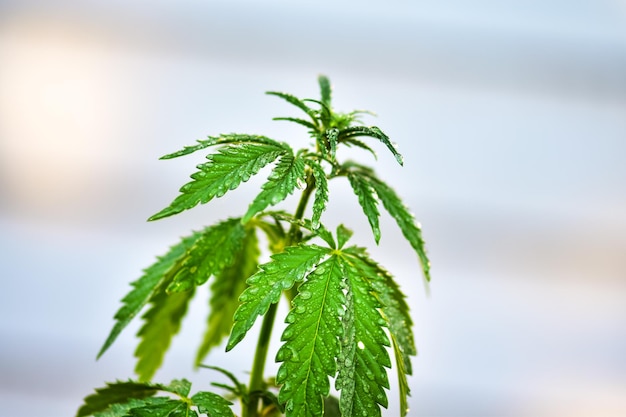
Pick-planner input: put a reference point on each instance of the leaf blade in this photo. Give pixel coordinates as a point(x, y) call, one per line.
point(266, 286)
point(224, 171)
point(311, 341)
point(225, 291)
point(373, 132)
point(145, 287)
point(286, 176)
point(368, 199)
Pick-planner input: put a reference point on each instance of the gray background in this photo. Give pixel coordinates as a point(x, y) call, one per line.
point(511, 118)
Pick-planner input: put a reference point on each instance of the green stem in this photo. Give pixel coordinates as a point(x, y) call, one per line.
point(251, 409)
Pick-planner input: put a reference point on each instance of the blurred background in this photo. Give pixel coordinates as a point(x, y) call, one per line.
point(512, 120)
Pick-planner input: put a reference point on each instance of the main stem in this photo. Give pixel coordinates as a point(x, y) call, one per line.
point(251, 409)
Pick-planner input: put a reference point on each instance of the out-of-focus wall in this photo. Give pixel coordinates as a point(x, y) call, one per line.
point(511, 118)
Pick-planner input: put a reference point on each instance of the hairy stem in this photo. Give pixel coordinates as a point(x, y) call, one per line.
point(251, 409)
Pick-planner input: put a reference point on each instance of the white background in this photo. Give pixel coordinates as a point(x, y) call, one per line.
point(512, 120)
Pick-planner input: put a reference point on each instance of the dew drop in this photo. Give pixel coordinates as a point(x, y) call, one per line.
point(282, 374)
point(300, 309)
point(300, 184)
point(305, 295)
point(360, 345)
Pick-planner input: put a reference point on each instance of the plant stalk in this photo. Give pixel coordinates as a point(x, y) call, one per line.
point(251, 409)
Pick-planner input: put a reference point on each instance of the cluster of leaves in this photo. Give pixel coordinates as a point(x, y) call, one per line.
point(346, 310)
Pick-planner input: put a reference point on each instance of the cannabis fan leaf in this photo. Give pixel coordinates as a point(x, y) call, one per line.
point(346, 311)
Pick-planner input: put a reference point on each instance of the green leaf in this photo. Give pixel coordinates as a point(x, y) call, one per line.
point(115, 393)
point(405, 220)
point(368, 201)
point(266, 286)
point(299, 121)
point(321, 192)
point(225, 291)
point(373, 132)
point(311, 341)
point(120, 410)
point(211, 253)
point(286, 176)
point(296, 102)
point(221, 139)
point(239, 388)
point(343, 235)
point(224, 171)
point(162, 323)
point(146, 286)
point(332, 136)
point(212, 405)
point(394, 310)
point(362, 376)
point(163, 407)
point(325, 89)
point(360, 144)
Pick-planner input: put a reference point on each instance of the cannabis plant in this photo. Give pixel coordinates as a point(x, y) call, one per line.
point(346, 311)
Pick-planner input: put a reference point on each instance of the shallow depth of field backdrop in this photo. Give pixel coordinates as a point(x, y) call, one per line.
point(512, 120)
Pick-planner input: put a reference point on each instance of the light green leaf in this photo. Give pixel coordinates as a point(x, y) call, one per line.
point(221, 139)
point(311, 341)
point(163, 407)
point(212, 405)
point(212, 252)
point(224, 171)
point(119, 392)
point(145, 287)
point(405, 220)
point(373, 132)
point(343, 235)
point(368, 201)
point(286, 176)
point(362, 376)
point(225, 291)
point(321, 192)
point(266, 286)
point(120, 410)
point(161, 324)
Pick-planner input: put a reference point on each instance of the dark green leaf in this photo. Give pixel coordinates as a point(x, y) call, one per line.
point(325, 89)
point(213, 251)
point(311, 341)
point(332, 136)
point(221, 139)
point(239, 388)
point(299, 121)
point(296, 102)
point(266, 286)
point(321, 192)
point(368, 201)
point(373, 132)
point(395, 311)
point(145, 287)
point(120, 410)
point(405, 220)
point(360, 144)
point(162, 323)
point(115, 393)
point(225, 291)
point(223, 172)
point(362, 376)
point(212, 405)
point(286, 176)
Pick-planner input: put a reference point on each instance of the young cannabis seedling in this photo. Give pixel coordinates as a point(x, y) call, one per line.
point(346, 310)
